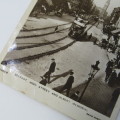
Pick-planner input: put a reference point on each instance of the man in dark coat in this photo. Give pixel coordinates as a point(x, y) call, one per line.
point(112, 79)
point(108, 69)
point(104, 43)
point(68, 84)
point(90, 36)
point(51, 70)
point(116, 39)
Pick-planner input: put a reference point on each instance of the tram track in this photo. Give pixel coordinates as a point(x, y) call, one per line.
point(39, 44)
point(36, 56)
point(37, 29)
point(32, 36)
point(43, 46)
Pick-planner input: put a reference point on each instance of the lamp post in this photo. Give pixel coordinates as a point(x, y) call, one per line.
point(93, 72)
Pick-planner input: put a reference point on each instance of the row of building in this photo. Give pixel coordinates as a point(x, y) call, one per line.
point(69, 5)
point(115, 17)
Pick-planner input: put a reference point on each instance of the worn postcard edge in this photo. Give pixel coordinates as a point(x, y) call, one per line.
point(43, 94)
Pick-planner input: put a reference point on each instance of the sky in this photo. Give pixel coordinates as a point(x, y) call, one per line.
point(113, 4)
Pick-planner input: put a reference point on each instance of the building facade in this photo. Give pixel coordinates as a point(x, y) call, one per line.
point(115, 17)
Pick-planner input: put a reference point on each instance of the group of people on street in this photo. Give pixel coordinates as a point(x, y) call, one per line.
point(112, 42)
point(111, 75)
point(69, 82)
point(110, 45)
point(46, 9)
point(46, 78)
point(111, 78)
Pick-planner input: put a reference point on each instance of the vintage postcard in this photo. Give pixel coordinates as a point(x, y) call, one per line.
point(66, 54)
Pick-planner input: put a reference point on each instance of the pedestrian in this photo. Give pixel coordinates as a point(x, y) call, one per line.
point(68, 84)
point(90, 36)
point(118, 79)
point(84, 35)
point(108, 70)
point(104, 43)
point(116, 39)
point(114, 62)
point(118, 59)
point(75, 96)
point(95, 41)
point(112, 79)
point(109, 36)
point(51, 70)
point(76, 16)
point(108, 73)
point(44, 9)
point(56, 28)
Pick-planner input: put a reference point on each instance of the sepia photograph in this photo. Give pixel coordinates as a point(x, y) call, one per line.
point(73, 48)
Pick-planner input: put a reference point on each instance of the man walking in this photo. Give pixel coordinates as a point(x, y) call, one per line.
point(112, 79)
point(116, 39)
point(51, 70)
point(68, 84)
point(109, 70)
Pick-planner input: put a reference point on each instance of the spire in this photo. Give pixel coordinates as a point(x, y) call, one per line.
point(105, 7)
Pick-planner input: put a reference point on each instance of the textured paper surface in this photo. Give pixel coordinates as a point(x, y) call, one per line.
point(19, 81)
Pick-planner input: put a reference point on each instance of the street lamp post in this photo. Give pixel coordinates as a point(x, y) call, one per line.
point(93, 72)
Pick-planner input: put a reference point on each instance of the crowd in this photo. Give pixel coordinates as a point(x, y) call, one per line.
point(112, 77)
point(111, 44)
point(46, 78)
